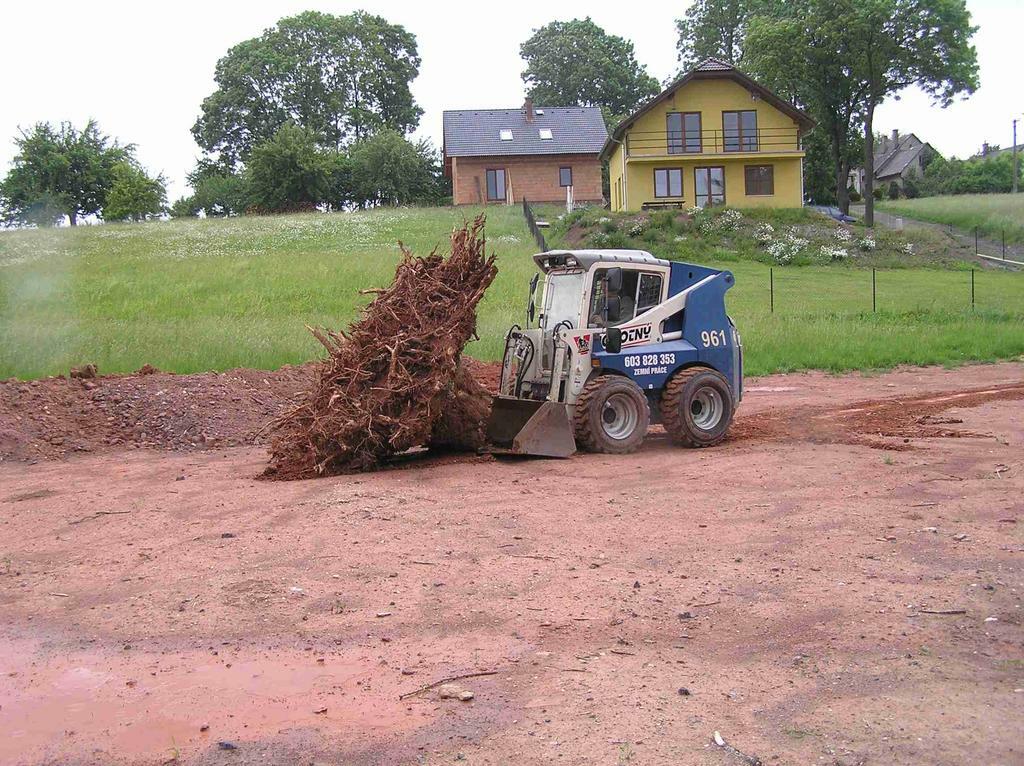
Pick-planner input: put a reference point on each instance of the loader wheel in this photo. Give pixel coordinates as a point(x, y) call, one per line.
point(612, 415)
point(697, 407)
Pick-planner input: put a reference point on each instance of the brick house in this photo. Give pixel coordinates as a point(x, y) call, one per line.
point(543, 154)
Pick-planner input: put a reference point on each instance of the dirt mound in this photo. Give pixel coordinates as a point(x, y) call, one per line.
point(880, 423)
point(53, 417)
point(387, 381)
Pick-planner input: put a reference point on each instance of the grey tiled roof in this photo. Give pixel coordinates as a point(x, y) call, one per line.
point(896, 160)
point(476, 132)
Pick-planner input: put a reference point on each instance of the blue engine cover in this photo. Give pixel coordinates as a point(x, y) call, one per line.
point(707, 335)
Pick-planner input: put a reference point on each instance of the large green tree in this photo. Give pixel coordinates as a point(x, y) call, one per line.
point(134, 195)
point(894, 44)
point(341, 77)
point(386, 169)
point(713, 29)
point(801, 50)
point(60, 171)
point(577, 63)
point(288, 172)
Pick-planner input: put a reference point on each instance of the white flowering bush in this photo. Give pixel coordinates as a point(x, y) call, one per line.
point(508, 239)
point(679, 238)
point(781, 252)
point(637, 229)
point(599, 239)
point(693, 212)
point(729, 219)
point(834, 253)
point(843, 235)
point(907, 248)
point(765, 232)
point(867, 244)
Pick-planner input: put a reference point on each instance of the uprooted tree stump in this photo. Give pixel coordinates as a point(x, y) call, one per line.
point(393, 381)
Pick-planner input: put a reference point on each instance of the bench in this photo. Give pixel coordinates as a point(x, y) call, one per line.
point(663, 205)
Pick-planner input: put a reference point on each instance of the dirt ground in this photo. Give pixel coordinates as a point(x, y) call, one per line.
point(840, 583)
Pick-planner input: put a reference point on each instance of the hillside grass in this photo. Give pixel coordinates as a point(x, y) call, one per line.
point(192, 295)
point(992, 214)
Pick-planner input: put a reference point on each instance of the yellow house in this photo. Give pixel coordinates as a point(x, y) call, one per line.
point(713, 137)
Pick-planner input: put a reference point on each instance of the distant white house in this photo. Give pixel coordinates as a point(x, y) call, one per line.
point(897, 157)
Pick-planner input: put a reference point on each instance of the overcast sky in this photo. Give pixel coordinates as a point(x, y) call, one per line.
point(142, 69)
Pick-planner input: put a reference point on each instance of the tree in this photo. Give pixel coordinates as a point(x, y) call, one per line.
point(60, 172)
point(713, 29)
point(576, 63)
point(389, 170)
point(184, 207)
point(133, 195)
point(341, 77)
point(893, 44)
point(288, 172)
point(801, 51)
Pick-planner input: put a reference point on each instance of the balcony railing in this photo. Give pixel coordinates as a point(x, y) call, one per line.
point(672, 143)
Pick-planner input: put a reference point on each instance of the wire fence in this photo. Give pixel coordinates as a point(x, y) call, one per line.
point(992, 247)
point(790, 291)
point(531, 222)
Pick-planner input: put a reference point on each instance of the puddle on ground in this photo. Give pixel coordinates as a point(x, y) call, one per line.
point(140, 704)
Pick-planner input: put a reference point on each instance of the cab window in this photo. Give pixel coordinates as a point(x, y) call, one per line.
point(640, 292)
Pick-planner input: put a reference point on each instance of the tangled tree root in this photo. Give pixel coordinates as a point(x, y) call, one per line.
point(393, 381)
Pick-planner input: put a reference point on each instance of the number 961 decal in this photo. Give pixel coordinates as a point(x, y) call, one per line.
point(712, 338)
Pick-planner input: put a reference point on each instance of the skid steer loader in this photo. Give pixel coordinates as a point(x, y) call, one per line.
point(621, 340)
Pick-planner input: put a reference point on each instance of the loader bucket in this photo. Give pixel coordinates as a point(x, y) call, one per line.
point(528, 427)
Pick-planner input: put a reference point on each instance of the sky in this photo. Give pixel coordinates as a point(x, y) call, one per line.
point(142, 69)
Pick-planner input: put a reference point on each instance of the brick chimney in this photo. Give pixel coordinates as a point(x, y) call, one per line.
point(528, 108)
point(895, 136)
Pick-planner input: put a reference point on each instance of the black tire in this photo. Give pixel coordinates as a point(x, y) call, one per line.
point(697, 407)
point(612, 416)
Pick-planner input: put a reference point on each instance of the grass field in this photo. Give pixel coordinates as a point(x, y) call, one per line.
point(193, 295)
point(993, 214)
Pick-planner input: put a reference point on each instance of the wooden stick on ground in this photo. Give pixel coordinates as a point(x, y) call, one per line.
point(434, 685)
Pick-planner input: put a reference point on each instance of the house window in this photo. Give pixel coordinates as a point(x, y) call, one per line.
point(496, 185)
point(683, 130)
point(545, 134)
point(759, 180)
point(740, 131)
point(668, 182)
point(565, 176)
point(505, 135)
point(709, 184)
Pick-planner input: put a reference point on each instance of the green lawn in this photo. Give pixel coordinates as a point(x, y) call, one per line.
point(993, 214)
point(192, 295)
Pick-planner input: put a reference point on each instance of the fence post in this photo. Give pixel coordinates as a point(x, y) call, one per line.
point(972, 289)
point(771, 289)
point(1003, 232)
point(874, 293)
point(975, 240)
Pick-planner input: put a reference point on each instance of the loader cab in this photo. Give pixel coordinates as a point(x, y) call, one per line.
point(599, 288)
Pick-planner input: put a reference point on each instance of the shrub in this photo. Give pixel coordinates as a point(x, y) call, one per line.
point(663, 219)
point(877, 193)
point(637, 228)
point(894, 190)
point(834, 253)
point(854, 195)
